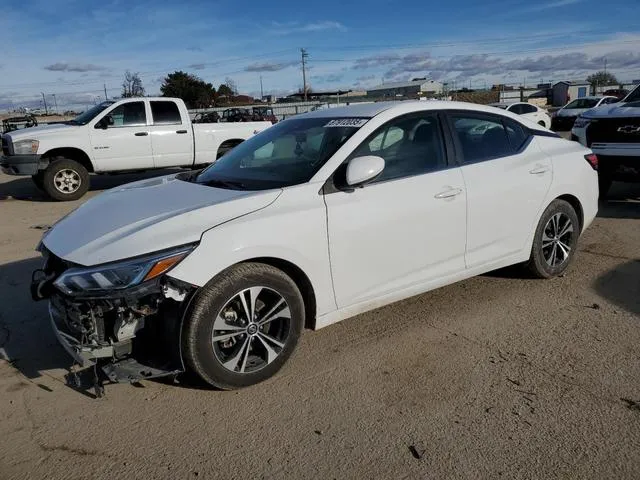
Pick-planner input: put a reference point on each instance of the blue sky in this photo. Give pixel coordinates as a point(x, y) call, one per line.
point(70, 48)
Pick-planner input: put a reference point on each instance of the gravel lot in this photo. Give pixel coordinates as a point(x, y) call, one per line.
point(495, 377)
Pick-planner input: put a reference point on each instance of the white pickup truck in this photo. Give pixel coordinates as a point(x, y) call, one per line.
point(134, 134)
point(612, 132)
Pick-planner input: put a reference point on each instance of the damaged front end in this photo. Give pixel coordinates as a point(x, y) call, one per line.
point(126, 333)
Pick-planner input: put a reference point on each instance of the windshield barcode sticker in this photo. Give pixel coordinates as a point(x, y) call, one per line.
point(347, 122)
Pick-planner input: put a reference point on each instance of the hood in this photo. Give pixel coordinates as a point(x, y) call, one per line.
point(570, 112)
point(615, 110)
point(39, 131)
point(145, 217)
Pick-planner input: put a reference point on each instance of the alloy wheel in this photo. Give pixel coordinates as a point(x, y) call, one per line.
point(67, 181)
point(557, 238)
point(251, 330)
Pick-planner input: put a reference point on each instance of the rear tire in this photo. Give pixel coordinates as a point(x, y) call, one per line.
point(225, 346)
point(555, 240)
point(65, 180)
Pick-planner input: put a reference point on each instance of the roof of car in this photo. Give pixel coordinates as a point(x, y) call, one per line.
point(369, 110)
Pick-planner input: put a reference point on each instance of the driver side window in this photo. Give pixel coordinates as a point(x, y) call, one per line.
point(410, 145)
point(130, 114)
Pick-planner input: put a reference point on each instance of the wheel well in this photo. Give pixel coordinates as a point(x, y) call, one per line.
point(577, 206)
point(229, 144)
point(301, 280)
point(72, 154)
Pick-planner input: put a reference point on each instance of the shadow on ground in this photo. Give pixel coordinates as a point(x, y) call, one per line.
point(621, 286)
point(26, 338)
point(23, 188)
point(623, 201)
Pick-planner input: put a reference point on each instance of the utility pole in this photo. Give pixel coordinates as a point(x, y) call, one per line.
point(261, 90)
point(55, 102)
point(44, 100)
point(105, 91)
point(305, 55)
point(605, 65)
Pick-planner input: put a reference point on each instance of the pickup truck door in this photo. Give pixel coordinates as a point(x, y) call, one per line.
point(123, 142)
point(171, 135)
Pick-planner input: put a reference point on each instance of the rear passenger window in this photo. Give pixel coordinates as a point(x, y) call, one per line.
point(165, 113)
point(516, 134)
point(481, 137)
point(527, 109)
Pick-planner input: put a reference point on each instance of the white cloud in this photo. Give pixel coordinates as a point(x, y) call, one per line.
point(296, 27)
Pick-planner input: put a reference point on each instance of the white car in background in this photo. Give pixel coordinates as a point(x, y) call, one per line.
point(527, 110)
point(319, 218)
point(564, 118)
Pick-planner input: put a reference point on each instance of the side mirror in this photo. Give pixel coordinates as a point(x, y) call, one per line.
point(363, 169)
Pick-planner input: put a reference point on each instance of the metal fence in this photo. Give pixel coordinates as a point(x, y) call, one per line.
point(280, 110)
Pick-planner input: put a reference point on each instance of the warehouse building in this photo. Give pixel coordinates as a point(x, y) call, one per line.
point(415, 88)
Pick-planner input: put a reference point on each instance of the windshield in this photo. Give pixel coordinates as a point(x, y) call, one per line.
point(634, 96)
point(90, 114)
point(583, 103)
point(286, 154)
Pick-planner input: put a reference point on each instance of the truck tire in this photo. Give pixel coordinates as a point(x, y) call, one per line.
point(227, 348)
point(38, 180)
point(65, 180)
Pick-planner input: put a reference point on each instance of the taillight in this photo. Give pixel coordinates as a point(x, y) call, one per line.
point(592, 158)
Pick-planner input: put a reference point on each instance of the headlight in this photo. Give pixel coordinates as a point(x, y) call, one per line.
point(120, 275)
point(26, 147)
point(581, 122)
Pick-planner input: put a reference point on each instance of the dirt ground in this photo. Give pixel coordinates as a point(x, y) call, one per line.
point(495, 377)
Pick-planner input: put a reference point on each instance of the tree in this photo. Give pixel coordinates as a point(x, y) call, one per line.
point(195, 92)
point(225, 91)
point(602, 78)
point(233, 86)
point(132, 85)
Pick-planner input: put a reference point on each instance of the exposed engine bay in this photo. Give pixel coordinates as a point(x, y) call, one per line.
point(125, 335)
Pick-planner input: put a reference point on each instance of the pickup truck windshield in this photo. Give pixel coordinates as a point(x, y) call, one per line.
point(90, 114)
point(634, 96)
point(286, 154)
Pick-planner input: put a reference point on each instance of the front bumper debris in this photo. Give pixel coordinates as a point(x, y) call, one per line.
point(124, 336)
point(20, 164)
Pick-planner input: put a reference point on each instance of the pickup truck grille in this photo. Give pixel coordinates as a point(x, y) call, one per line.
point(614, 130)
point(5, 146)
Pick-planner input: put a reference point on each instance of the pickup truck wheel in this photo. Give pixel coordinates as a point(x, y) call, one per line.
point(65, 180)
point(243, 325)
point(555, 240)
point(38, 180)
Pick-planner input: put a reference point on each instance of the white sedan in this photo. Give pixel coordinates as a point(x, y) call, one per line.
point(527, 110)
point(318, 218)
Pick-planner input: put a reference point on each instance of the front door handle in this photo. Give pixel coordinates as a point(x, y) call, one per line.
point(452, 192)
point(181, 131)
point(539, 170)
point(141, 134)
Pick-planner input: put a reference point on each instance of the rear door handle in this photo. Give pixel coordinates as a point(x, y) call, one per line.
point(181, 131)
point(539, 170)
point(452, 192)
point(141, 134)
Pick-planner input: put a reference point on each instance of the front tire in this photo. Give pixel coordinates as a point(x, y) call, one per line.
point(555, 240)
point(243, 325)
point(65, 180)
point(38, 180)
